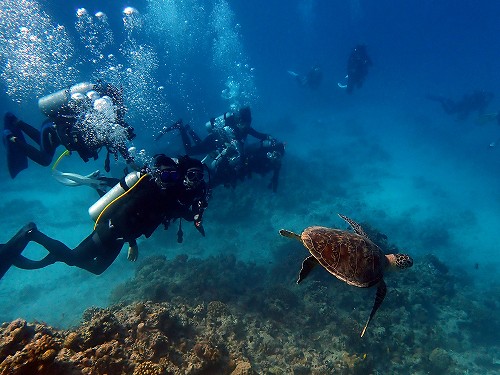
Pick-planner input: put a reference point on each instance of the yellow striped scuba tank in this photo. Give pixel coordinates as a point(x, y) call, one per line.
point(117, 192)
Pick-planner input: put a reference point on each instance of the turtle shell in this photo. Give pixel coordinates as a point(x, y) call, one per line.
point(348, 256)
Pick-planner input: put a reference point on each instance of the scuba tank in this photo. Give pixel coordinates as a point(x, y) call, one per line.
point(51, 105)
point(116, 191)
point(211, 160)
point(215, 124)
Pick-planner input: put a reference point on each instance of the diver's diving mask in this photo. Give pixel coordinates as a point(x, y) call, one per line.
point(166, 177)
point(273, 156)
point(193, 177)
point(169, 175)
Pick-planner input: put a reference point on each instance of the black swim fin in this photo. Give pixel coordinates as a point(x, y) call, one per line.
point(16, 158)
point(10, 251)
point(5, 263)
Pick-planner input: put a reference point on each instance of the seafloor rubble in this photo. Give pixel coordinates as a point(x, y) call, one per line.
point(223, 316)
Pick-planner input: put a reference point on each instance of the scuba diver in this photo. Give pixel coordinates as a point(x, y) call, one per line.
point(83, 118)
point(224, 144)
point(264, 158)
point(476, 101)
point(357, 68)
point(171, 189)
point(312, 79)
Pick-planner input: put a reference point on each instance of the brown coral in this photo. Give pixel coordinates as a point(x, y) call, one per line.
point(147, 368)
point(243, 368)
point(71, 341)
point(207, 352)
point(30, 353)
point(238, 335)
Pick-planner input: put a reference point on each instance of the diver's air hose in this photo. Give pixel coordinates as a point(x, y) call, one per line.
point(116, 199)
point(56, 163)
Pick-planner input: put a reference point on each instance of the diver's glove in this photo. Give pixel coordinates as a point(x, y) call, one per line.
point(198, 224)
point(133, 252)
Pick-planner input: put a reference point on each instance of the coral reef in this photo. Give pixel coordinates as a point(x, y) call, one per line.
point(223, 316)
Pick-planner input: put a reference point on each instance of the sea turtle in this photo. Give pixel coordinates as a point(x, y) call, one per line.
point(350, 256)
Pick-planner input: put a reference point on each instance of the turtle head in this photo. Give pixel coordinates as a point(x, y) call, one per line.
point(400, 261)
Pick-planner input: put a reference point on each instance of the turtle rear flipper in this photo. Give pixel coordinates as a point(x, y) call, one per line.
point(307, 266)
point(290, 234)
point(379, 298)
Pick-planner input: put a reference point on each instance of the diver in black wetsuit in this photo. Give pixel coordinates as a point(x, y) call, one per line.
point(357, 68)
point(224, 145)
point(476, 101)
point(264, 158)
point(169, 191)
point(231, 126)
point(312, 79)
point(73, 116)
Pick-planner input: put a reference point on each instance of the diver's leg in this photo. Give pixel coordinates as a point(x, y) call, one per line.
point(349, 87)
point(275, 178)
point(206, 146)
point(98, 251)
point(46, 139)
point(11, 250)
point(107, 255)
point(92, 254)
point(28, 264)
point(38, 156)
point(57, 250)
point(195, 137)
point(186, 141)
point(29, 130)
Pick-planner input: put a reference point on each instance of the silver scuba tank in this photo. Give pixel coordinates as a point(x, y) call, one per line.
point(215, 124)
point(211, 161)
point(51, 104)
point(117, 190)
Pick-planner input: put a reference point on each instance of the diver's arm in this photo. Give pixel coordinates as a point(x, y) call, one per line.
point(258, 135)
point(133, 251)
point(274, 180)
point(129, 159)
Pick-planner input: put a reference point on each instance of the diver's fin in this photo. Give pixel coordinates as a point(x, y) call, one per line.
point(5, 264)
point(11, 250)
point(16, 158)
point(341, 85)
point(494, 143)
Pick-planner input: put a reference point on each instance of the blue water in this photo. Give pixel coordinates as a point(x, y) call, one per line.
point(384, 155)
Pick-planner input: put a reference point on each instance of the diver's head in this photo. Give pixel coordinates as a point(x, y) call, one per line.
point(193, 172)
point(276, 152)
point(166, 171)
point(244, 117)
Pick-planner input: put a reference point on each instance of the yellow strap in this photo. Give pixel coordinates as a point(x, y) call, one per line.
point(65, 153)
point(116, 199)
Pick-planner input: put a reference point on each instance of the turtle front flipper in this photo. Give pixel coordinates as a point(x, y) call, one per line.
point(307, 266)
point(355, 226)
point(379, 298)
point(290, 234)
